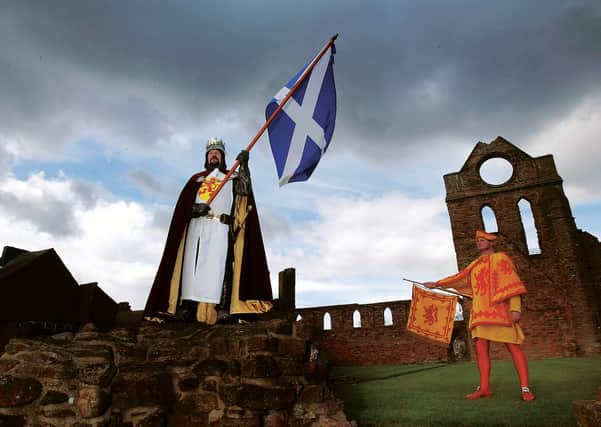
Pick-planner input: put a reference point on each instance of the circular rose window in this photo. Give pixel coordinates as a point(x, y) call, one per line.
point(496, 171)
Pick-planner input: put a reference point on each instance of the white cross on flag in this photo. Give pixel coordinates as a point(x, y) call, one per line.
point(302, 130)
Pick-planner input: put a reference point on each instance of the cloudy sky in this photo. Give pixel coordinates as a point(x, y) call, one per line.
point(105, 108)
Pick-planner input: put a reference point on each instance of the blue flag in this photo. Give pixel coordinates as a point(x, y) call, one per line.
point(302, 130)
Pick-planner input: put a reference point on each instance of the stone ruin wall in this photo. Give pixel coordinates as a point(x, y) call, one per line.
point(374, 342)
point(176, 374)
point(562, 310)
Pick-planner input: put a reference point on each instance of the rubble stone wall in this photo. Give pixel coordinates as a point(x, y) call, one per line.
point(374, 342)
point(176, 374)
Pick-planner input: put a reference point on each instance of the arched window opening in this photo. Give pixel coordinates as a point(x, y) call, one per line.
point(529, 225)
point(327, 321)
point(299, 317)
point(489, 219)
point(356, 319)
point(458, 311)
point(387, 317)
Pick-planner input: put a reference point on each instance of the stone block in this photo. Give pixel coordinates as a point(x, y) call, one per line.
point(15, 391)
point(198, 402)
point(53, 397)
point(210, 384)
point(233, 371)
point(92, 402)
point(178, 419)
point(53, 371)
point(198, 352)
point(224, 348)
point(255, 421)
point(7, 364)
point(257, 398)
point(169, 352)
point(56, 412)
point(47, 355)
point(292, 347)
point(260, 366)
point(143, 417)
point(16, 346)
point(86, 336)
point(262, 343)
point(63, 336)
point(587, 413)
point(314, 394)
point(278, 327)
point(100, 374)
point(92, 353)
point(210, 367)
point(12, 420)
point(275, 419)
point(291, 367)
point(188, 383)
point(237, 412)
point(236, 331)
point(137, 386)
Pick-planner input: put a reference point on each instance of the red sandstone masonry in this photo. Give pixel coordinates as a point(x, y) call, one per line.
point(372, 343)
point(562, 307)
point(562, 310)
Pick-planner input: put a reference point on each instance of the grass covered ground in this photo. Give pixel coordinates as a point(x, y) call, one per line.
point(434, 394)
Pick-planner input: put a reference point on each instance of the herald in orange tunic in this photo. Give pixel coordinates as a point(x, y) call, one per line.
point(493, 283)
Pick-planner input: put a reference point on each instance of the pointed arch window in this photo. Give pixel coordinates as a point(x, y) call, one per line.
point(387, 316)
point(529, 225)
point(356, 319)
point(489, 219)
point(299, 317)
point(327, 321)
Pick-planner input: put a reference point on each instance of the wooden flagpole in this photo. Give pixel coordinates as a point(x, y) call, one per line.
point(274, 114)
point(441, 289)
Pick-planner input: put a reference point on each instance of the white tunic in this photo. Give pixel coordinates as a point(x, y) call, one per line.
point(205, 250)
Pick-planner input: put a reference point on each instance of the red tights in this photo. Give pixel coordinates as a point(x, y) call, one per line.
point(517, 354)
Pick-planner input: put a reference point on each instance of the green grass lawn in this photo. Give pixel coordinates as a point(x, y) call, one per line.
point(434, 394)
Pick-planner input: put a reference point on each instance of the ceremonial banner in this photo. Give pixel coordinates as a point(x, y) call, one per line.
point(432, 315)
point(302, 130)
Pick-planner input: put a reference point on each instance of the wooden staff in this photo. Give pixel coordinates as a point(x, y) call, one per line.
point(442, 289)
point(275, 113)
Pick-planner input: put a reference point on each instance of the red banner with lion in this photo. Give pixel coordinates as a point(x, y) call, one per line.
point(432, 315)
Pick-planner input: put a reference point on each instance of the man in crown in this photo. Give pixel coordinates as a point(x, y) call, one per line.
point(214, 263)
point(495, 288)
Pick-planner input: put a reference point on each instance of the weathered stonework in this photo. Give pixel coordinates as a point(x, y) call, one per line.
point(170, 374)
point(562, 310)
point(374, 342)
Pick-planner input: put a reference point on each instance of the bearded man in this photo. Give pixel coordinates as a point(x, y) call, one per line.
point(492, 282)
point(214, 263)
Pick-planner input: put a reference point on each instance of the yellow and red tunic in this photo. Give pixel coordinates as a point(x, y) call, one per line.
point(495, 287)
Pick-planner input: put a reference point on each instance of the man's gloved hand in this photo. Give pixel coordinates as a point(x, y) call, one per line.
point(243, 157)
point(200, 209)
point(226, 219)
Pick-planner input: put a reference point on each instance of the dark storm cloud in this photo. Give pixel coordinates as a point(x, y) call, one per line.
point(406, 72)
point(3, 162)
point(151, 185)
point(87, 194)
point(48, 211)
point(48, 215)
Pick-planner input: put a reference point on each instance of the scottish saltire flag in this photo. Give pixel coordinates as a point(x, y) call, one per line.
point(302, 130)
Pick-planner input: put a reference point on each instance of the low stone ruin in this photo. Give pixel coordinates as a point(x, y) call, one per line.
point(175, 374)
